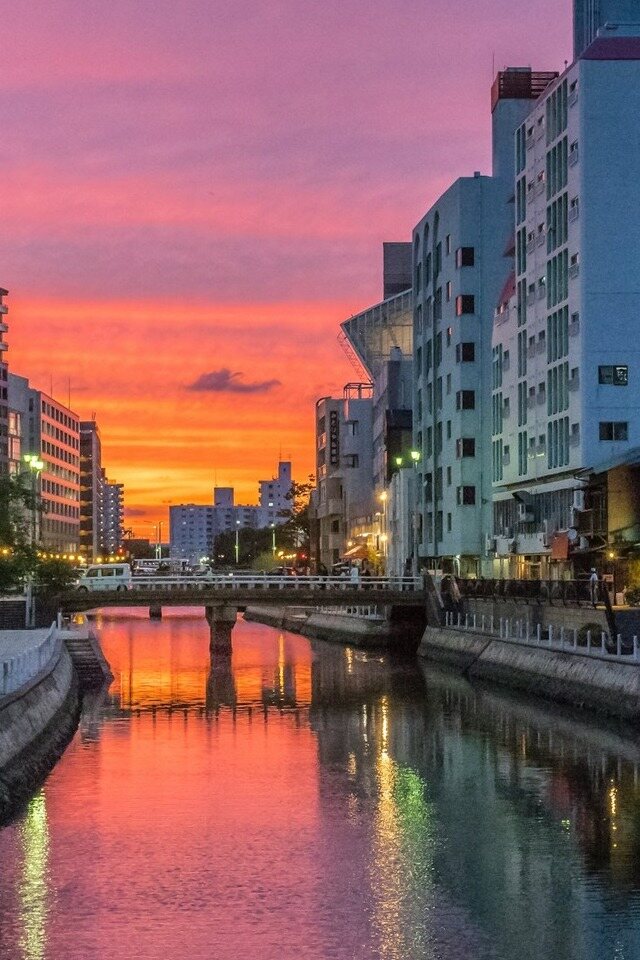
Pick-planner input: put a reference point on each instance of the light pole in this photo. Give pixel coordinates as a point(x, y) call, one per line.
point(159, 540)
point(237, 542)
point(383, 533)
point(273, 539)
point(415, 456)
point(36, 466)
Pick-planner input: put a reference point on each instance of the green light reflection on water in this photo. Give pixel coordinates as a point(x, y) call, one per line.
point(34, 887)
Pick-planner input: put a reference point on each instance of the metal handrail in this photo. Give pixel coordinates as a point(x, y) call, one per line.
point(561, 592)
point(261, 582)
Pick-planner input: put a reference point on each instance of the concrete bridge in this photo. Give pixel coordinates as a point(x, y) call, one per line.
point(222, 596)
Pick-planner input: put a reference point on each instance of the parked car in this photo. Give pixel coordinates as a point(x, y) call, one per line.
point(105, 576)
point(282, 572)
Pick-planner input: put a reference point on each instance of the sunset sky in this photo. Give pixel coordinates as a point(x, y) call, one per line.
point(194, 194)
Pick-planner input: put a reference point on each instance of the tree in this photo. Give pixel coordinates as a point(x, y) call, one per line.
point(295, 525)
point(18, 503)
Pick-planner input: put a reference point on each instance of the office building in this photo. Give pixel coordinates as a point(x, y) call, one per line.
point(51, 431)
point(459, 270)
point(566, 355)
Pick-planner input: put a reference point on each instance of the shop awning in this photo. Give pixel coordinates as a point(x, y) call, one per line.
point(356, 553)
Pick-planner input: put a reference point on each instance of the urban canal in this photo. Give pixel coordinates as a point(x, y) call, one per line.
point(314, 801)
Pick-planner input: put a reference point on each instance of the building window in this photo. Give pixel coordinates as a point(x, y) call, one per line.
point(614, 430)
point(447, 244)
point(617, 376)
point(466, 496)
point(465, 352)
point(448, 523)
point(449, 335)
point(448, 429)
point(465, 257)
point(448, 476)
point(448, 383)
point(465, 400)
point(465, 304)
point(352, 460)
point(465, 447)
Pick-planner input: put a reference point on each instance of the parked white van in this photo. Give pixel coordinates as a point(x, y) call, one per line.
point(105, 576)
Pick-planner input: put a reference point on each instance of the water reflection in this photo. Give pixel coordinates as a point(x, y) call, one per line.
point(298, 799)
point(34, 885)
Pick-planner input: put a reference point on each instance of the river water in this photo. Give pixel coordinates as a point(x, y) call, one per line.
point(311, 801)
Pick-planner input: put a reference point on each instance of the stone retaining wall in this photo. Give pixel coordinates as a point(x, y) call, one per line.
point(36, 724)
point(612, 688)
point(340, 628)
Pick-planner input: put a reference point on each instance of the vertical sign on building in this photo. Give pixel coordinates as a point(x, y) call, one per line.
point(334, 438)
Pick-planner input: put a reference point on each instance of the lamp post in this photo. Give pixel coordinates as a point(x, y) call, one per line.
point(273, 539)
point(159, 540)
point(237, 542)
point(383, 533)
point(36, 466)
point(415, 457)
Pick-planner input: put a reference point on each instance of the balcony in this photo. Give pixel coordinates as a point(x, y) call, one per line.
point(572, 99)
point(574, 154)
point(531, 245)
point(541, 238)
point(574, 381)
point(574, 213)
point(574, 270)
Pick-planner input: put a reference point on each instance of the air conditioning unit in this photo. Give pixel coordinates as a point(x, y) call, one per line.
point(525, 513)
point(490, 544)
point(547, 535)
point(578, 499)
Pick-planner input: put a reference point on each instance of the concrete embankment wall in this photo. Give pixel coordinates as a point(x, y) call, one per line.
point(36, 723)
point(339, 628)
point(610, 687)
point(545, 614)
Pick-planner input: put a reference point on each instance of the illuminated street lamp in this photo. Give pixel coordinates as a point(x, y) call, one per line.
point(237, 542)
point(273, 538)
point(36, 466)
point(415, 456)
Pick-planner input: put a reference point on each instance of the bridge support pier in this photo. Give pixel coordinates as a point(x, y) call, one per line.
point(221, 620)
point(155, 611)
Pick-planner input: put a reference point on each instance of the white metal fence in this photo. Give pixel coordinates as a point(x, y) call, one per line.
point(562, 639)
point(369, 612)
point(21, 667)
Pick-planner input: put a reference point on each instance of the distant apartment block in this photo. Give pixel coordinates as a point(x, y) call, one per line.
point(51, 431)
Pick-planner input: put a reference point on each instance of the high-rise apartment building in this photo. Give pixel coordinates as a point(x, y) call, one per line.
point(51, 431)
point(566, 354)
point(459, 250)
point(90, 490)
point(589, 16)
point(273, 495)
point(111, 517)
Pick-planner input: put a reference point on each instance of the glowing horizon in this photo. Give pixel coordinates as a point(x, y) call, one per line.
point(193, 203)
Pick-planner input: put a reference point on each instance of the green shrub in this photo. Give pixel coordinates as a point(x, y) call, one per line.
point(632, 595)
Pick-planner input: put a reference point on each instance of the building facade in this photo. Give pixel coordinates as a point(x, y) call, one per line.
point(589, 16)
point(460, 266)
point(566, 361)
point(343, 501)
point(7, 461)
point(51, 431)
point(90, 490)
point(111, 516)
point(273, 496)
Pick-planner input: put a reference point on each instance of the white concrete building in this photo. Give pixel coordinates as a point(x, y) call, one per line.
point(273, 495)
point(459, 269)
point(566, 349)
point(342, 503)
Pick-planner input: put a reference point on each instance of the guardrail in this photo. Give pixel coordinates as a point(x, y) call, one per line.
point(19, 669)
point(261, 582)
point(368, 612)
point(563, 640)
point(566, 592)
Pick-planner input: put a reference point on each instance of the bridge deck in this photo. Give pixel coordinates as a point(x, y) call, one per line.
point(244, 590)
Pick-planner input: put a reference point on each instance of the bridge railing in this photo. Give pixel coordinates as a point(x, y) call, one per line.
point(261, 582)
